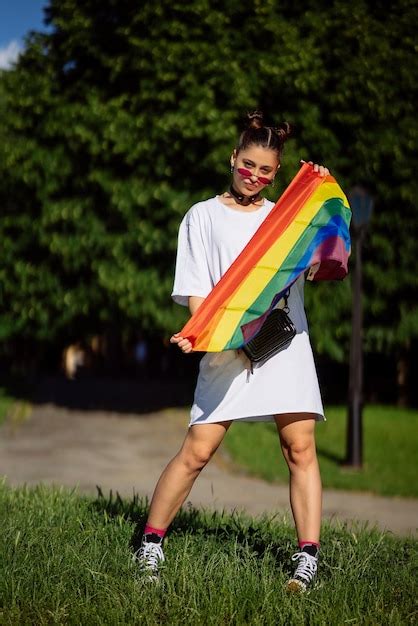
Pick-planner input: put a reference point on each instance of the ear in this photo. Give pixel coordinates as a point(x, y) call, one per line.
point(233, 157)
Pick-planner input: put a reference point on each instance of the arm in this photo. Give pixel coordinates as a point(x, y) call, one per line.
point(184, 344)
point(194, 303)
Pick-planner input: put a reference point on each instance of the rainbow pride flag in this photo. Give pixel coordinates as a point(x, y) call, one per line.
point(309, 224)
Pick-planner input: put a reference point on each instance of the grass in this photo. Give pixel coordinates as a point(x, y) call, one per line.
point(390, 451)
point(12, 409)
point(66, 560)
point(6, 402)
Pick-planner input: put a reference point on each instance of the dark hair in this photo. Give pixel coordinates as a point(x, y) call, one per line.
point(258, 134)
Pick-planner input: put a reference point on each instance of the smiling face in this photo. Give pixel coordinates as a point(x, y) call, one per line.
point(258, 162)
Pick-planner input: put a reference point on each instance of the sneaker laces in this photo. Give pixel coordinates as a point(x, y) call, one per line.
point(307, 566)
point(149, 555)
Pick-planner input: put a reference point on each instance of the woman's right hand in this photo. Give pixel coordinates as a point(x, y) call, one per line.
point(184, 344)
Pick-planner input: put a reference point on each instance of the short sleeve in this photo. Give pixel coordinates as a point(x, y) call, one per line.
point(192, 273)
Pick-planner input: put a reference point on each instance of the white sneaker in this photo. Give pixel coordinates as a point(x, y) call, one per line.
point(305, 572)
point(149, 557)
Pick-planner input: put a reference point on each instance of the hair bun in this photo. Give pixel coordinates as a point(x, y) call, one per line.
point(263, 132)
point(283, 130)
point(255, 119)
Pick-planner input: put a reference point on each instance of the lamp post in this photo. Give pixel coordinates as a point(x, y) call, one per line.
point(361, 203)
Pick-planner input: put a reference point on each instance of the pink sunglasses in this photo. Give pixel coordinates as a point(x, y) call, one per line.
point(248, 174)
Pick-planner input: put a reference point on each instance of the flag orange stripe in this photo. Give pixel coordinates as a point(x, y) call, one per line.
point(290, 203)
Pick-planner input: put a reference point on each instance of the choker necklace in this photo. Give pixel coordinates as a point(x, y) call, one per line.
point(244, 200)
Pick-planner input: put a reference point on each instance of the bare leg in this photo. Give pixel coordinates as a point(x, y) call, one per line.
point(297, 438)
point(177, 479)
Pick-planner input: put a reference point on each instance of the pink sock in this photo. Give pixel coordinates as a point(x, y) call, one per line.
point(157, 531)
point(302, 544)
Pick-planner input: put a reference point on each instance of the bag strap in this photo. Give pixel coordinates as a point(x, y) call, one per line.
point(285, 296)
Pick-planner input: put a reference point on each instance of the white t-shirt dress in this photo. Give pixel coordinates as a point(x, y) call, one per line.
point(211, 236)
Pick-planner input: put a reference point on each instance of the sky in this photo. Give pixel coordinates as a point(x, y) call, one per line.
point(17, 18)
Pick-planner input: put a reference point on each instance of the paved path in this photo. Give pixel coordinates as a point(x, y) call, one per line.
point(126, 453)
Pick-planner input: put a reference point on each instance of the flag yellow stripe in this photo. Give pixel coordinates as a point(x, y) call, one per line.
point(258, 278)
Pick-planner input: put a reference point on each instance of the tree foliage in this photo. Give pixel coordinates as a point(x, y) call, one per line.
point(118, 119)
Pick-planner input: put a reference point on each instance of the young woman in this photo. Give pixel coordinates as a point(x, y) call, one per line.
point(284, 388)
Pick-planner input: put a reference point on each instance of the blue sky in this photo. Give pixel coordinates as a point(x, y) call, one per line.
point(17, 17)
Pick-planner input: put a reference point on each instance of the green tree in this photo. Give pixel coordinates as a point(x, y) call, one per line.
point(371, 108)
point(122, 116)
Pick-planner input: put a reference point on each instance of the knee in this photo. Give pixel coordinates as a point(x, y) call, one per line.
point(300, 453)
point(196, 456)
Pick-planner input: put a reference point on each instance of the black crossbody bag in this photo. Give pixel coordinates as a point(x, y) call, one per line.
point(275, 334)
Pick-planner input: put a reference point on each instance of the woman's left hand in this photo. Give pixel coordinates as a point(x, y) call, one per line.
point(321, 169)
point(184, 344)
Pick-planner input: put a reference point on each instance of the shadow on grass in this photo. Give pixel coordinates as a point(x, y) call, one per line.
point(340, 461)
point(247, 531)
point(330, 456)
